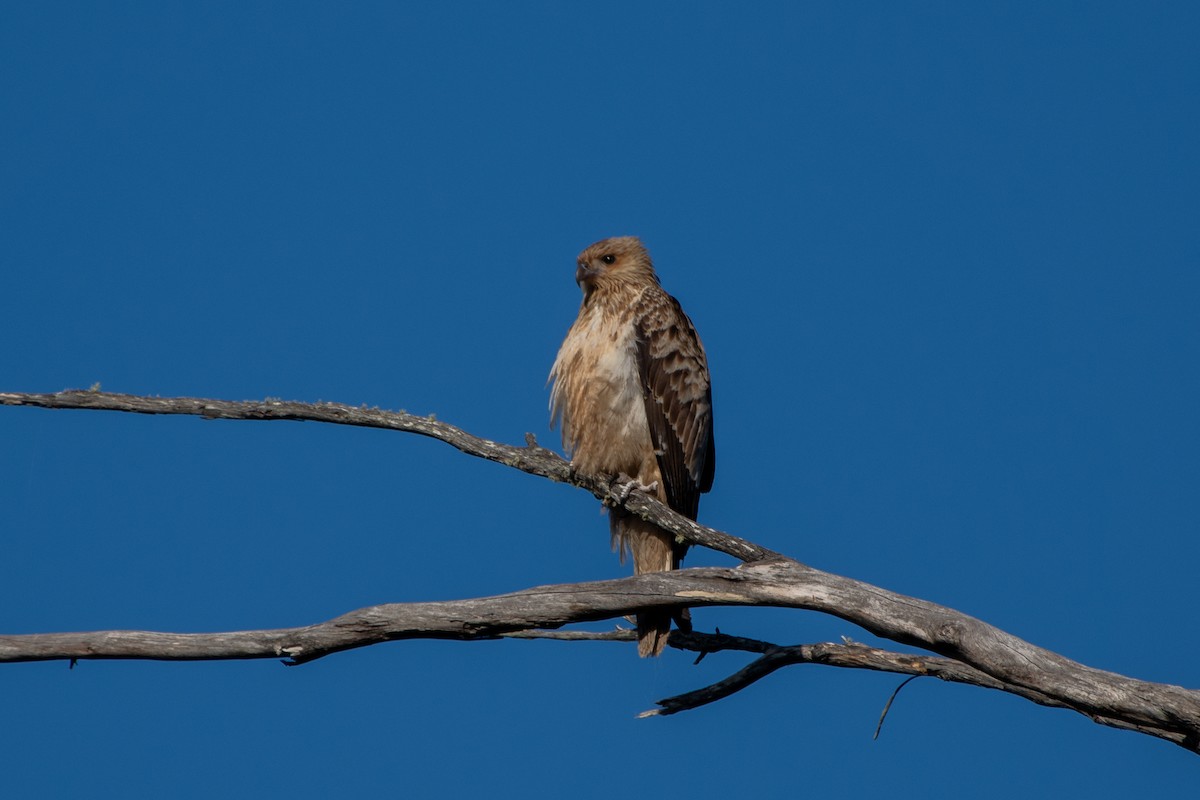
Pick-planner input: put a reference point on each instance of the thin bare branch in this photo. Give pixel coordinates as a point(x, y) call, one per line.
point(618, 635)
point(531, 458)
point(859, 656)
point(849, 655)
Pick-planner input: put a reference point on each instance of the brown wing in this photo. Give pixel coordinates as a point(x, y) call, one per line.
point(678, 399)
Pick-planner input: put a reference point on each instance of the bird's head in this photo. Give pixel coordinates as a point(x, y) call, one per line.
point(612, 261)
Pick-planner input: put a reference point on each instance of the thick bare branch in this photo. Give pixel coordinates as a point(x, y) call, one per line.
point(1166, 711)
point(975, 652)
point(479, 618)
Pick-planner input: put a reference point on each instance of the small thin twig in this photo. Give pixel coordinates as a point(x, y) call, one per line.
point(888, 704)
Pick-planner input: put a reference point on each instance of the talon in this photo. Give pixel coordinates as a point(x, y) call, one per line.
point(624, 486)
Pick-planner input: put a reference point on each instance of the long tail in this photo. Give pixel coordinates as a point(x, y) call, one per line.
point(654, 550)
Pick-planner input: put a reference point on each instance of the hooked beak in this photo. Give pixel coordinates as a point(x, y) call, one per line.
point(584, 274)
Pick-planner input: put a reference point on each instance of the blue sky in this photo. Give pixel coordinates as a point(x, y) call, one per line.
point(945, 260)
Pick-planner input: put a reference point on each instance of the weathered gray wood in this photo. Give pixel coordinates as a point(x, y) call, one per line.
point(531, 458)
point(973, 651)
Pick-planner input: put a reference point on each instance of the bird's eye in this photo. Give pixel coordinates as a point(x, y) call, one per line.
point(608, 259)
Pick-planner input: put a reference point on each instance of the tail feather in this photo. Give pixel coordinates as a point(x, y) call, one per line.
point(653, 550)
point(653, 628)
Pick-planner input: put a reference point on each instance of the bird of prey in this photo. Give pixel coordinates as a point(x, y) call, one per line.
point(631, 389)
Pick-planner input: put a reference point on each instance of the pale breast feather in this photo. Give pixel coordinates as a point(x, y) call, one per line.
point(597, 394)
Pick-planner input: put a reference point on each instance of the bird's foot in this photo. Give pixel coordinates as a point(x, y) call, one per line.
point(624, 486)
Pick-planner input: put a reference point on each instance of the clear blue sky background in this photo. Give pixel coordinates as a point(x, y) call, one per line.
point(945, 258)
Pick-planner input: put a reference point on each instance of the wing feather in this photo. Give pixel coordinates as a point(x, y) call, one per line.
point(678, 399)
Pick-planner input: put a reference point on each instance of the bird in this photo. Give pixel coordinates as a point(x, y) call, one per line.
point(631, 389)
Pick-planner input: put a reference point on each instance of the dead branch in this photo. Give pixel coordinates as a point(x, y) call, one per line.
point(973, 651)
point(531, 458)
